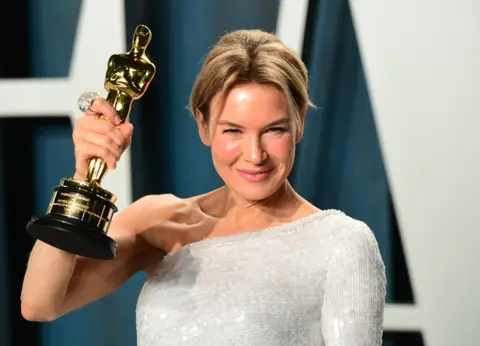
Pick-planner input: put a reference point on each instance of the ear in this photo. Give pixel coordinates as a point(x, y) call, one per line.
point(302, 112)
point(202, 128)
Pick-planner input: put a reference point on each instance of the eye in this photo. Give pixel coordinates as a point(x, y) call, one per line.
point(232, 131)
point(277, 130)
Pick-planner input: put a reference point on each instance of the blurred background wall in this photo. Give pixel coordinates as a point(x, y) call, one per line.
point(393, 141)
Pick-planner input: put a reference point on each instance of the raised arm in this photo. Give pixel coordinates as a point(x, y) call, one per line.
point(57, 282)
point(355, 292)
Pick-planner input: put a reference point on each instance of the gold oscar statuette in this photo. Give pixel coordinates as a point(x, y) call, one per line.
point(80, 212)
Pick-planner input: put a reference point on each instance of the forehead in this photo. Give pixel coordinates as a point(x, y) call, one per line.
point(252, 103)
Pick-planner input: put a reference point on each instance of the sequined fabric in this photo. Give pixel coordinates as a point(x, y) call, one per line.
point(316, 281)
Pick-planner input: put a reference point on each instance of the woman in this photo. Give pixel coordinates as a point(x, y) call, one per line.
point(251, 263)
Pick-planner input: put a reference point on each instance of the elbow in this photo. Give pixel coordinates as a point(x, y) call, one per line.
point(36, 313)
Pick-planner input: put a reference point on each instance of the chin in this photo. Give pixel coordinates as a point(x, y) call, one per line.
point(255, 192)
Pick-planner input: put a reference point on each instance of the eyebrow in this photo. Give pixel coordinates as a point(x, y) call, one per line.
point(276, 122)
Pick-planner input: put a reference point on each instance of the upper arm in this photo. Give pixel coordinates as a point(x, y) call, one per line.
point(355, 290)
point(93, 279)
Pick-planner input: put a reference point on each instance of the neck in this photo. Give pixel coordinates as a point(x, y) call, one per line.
point(138, 51)
point(280, 206)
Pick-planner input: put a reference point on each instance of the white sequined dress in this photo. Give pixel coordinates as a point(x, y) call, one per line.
point(316, 281)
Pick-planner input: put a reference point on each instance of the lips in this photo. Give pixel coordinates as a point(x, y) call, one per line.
point(255, 176)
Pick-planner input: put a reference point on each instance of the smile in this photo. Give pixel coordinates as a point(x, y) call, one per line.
point(255, 176)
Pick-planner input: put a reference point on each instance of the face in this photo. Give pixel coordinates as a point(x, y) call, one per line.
point(142, 36)
point(252, 139)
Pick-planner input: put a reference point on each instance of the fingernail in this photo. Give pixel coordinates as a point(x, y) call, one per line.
point(117, 120)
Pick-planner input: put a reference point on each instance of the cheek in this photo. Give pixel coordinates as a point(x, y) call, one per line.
point(225, 150)
point(281, 148)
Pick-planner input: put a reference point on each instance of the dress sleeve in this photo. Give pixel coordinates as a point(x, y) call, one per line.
point(355, 290)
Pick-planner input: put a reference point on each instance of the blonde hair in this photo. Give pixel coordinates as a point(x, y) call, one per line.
point(251, 56)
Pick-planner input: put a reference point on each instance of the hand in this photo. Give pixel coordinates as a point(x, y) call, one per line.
point(95, 137)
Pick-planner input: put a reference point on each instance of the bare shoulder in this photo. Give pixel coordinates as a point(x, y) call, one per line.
point(162, 221)
point(151, 210)
point(165, 202)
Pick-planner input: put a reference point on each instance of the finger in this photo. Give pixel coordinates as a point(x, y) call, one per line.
point(94, 123)
point(107, 128)
point(126, 129)
point(118, 138)
point(89, 124)
point(103, 107)
point(81, 167)
point(106, 142)
point(99, 126)
point(127, 143)
point(87, 151)
point(91, 112)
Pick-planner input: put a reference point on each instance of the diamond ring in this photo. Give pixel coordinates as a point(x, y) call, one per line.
point(85, 100)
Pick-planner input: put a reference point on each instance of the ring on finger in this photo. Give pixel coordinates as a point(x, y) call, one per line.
point(86, 99)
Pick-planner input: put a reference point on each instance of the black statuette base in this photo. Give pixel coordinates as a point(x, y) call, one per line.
point(72, 236)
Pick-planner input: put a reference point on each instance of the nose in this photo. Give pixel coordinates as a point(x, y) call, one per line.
point(254, 151)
